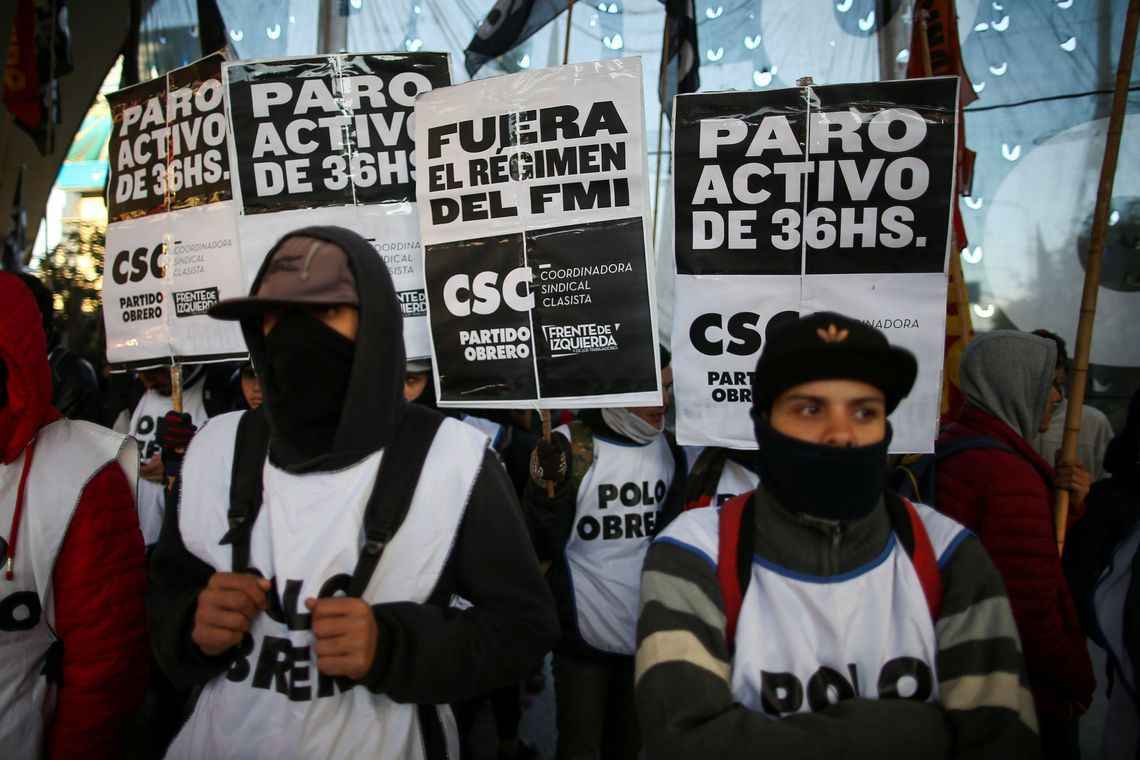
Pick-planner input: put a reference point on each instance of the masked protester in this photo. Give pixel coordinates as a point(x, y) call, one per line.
point(618, 479)
point(73, 647)
point(155, 403)
point(1003, 491)
point(339, 564)
point(821, 616)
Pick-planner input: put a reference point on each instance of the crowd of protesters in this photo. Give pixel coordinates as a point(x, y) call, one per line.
point(310, 559)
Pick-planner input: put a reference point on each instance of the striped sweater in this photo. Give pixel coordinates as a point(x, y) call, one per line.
point(684, 667)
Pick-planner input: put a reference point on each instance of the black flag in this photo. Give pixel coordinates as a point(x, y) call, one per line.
point(17, 239)
point(509, 24)
point(680, 74)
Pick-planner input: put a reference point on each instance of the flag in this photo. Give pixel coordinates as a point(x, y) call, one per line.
point(17, 240)
point(938, 52)
point(681, 71)
point(39, 52)
point(507, 25)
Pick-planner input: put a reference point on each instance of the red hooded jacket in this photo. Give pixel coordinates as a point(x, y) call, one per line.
point(99, 577)
point(1007, 500)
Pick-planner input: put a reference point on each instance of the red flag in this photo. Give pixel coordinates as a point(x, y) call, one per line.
point(936, 51)
point(39, 51)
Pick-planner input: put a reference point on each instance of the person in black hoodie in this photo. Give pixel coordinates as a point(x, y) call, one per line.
point(305, 643)
point(618, 479)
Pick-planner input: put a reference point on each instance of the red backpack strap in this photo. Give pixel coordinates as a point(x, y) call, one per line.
point(925, 563)
point(728, 562)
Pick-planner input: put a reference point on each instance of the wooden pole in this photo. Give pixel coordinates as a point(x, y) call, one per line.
point(660, 124)
point(176, 386)
point(1092, 267)
point(545, 414)
point(566, 42)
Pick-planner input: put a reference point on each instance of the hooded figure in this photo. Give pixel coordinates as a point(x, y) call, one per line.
point(290, 666)
point(1003, 492)
point(70, 672)
point(820, 615)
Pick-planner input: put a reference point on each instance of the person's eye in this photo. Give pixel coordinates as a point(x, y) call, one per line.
point(867, 414)
point(808, 410)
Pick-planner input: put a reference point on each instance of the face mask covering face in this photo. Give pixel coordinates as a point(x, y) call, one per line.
point(828, 482)
point(630, 425)
point(309, 367)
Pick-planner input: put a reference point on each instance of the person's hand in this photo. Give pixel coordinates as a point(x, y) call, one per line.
point(173, 434)
point(152, 469)
point(226, 609)
point(1075, 479)
point(548, 462)
point(346, 634)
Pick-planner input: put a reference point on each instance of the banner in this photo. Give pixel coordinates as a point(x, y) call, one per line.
point(829, 198)
point(535, 219)
point(172, 249)
point(329, 140)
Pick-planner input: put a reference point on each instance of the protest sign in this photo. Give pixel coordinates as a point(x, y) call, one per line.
point(329, 140)
point(829, 198)
point(172, 248)
point(534, 215)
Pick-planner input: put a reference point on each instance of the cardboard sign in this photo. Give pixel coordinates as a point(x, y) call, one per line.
point(172, 249)
point(534, 215)
point(834, 198)
point(329, 140)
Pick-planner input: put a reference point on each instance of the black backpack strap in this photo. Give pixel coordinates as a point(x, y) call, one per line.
point(250, 447)
point(400, 468)
point(900, 521)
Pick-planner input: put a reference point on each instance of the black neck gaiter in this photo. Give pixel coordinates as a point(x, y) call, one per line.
point(828, 482)
point(306, 383)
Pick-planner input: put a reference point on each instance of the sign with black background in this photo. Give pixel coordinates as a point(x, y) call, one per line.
point(534, 218)
point(829, 198)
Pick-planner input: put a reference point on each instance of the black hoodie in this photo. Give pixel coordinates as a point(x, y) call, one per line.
point(427, 653)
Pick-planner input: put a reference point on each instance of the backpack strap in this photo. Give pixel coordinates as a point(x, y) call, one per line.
point(581, 451)
point(907, 525)
point(396, 481)
point(705, 476)
point(250, 446)
point(734, 559)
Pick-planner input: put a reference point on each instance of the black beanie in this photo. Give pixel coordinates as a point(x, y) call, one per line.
point(830, 346)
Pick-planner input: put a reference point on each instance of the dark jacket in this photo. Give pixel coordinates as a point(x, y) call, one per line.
point(551, 520)
point(428, 653)
point(1006, 499)
point(75, 389)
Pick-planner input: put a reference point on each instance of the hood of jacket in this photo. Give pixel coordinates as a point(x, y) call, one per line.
point(374, 404)
point(1009, 374)
point(23, 349)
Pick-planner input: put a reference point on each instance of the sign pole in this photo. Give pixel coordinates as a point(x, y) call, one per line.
point(1092, 268)
point(660, 126)
point(566, 42)
point(176, 386)
point(545, 415)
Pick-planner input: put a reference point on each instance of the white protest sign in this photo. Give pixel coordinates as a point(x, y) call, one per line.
point(534, 215)
point(172, 247)
point(833, 198)
point(329, 140)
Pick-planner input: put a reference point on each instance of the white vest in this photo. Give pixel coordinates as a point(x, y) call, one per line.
point(144, 423)
point(804, 642)
point(735, 479)
point(619, 501)
point(273, 703)
point(67, 456)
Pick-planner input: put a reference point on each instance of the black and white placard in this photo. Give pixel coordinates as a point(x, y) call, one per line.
point(534, 216)
point(329, 140)
point(828, 198)
point(172, 248)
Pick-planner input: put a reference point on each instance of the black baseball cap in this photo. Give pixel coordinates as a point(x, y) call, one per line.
point(830, 346)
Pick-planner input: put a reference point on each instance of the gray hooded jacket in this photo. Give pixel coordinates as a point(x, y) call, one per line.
point(1009, 374)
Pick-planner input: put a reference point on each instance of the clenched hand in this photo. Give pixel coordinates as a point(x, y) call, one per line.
point(346, 634)
point(226, 609)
